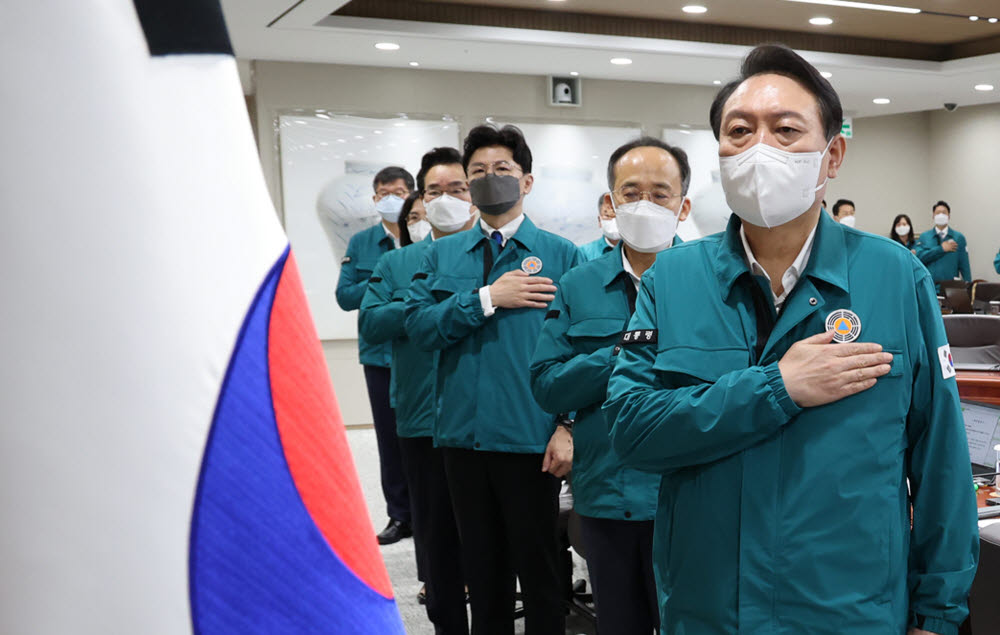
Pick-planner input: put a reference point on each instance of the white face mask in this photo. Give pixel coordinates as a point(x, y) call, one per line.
point(848, 220)
point(902, 230)
point(447, 213)
point(941, 220)
point(419, 230)
point(768, 187)
point(645, 226)
point(389, 207)
point(609, 227)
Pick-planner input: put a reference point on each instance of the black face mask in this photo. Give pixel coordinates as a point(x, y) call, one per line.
point(494, 194)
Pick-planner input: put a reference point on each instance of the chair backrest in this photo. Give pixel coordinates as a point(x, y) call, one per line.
point(984, 609)
point(986, 291)
point(957, 299)
point(953, 284)
point(974, 339)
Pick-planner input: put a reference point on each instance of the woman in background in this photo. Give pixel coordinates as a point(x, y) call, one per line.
point(902, 232)
point(413, 225)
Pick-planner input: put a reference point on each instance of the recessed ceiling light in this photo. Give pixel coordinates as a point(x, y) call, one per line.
point(357, 136)
point(387, 46)
point(717, 81)
point(414, 63)
point(974, 18)
point(377, 131)
point(881, 101)
point(826, 74)
point(621, 61)
point(984, 87)
point(399, 124)
point(859, 5)
point(992, 20)
point(684, 131)
point(574, 74)
point(820, 21)
point(694, 8)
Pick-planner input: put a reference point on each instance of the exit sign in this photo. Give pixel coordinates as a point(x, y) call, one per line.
point(847, 127)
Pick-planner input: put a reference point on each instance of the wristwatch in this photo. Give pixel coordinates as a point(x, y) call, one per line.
point(562, 419)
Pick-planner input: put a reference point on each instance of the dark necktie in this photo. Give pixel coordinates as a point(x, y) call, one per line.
point(497, 237)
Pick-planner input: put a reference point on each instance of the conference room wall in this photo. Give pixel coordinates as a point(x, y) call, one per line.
point(964, 168)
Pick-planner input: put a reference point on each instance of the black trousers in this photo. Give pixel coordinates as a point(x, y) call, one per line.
point(397, 499)
point(507, 511)
point(435, 535)
point(620, 561)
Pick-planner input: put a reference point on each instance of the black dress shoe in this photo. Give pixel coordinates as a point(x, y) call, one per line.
point(395, 531)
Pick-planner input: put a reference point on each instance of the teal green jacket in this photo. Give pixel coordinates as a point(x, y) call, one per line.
point(482, 386)
point(944, 265)
point(363, 251)
point(778, 519)
point(596, 249)
point(570, 372)
point(383, 315)
point(996, 262)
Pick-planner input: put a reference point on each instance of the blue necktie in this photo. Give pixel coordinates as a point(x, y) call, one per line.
point(497, 237)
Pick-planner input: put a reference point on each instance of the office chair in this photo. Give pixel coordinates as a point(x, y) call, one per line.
point(983, 293)
point(974, 339)
point(957, 298)
point(984, 609)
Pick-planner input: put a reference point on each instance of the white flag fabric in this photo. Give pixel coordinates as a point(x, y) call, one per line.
point(171, 454)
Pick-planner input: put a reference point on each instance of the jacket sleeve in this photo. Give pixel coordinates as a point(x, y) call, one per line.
point(927, 250)
point(436, 322)
point(963, 261)
point(944, 544)
point(996, 262)
point(382, 315)
point(660, 426)
point(352, 283)
point(561, 379)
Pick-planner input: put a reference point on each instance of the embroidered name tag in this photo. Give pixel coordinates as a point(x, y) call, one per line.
point(639, 337)
point(419, 276)
point(554, 313)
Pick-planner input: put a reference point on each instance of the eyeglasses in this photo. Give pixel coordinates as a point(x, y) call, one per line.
point(659, 195)
point(500, 168)
point(401, 193)
point(457, 191)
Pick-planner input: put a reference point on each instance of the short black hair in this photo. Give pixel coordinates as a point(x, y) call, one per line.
point(781, 60)
point(651, 142)
point(488, 135)
point(437, 156)
point(600, 201)
point(404, 229)
point(840, 203)
point(941, 204)
point(392, 174)
point(909, 238)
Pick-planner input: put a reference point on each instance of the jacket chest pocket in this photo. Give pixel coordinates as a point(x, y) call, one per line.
point(686, 366)
point(590, 334)
point(445, 286)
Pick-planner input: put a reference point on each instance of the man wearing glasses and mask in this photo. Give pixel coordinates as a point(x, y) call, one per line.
point(570, 371)
point(480, 297)
point(795, 390)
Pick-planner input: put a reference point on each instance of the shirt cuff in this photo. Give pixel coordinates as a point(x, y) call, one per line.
point(940, 626)
point(486, 301)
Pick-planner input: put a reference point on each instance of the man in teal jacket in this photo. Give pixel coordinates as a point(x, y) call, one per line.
point(798, 407)
point(609, 232)
point(570, 372)
point(413, 370)
point(996, 262)
point(942, 249)
point(480, 298)
point(392, 185)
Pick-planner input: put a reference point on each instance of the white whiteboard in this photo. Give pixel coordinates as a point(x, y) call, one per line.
point(709, 211)
point(327, 165)
point(570, 165)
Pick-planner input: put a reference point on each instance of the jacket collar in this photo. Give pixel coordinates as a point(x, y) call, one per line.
point(526, 235)
point(828, 261)
point(613, 268)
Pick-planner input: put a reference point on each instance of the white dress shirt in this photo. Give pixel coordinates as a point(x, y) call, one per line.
point(506, 232)
point(791, 276)
point(395, 239)
point(630, 271)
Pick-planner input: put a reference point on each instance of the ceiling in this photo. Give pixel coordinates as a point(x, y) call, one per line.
point(940, 22)
point(542, 37)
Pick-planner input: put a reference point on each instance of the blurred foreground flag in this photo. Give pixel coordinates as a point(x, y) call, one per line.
point(172, 458)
